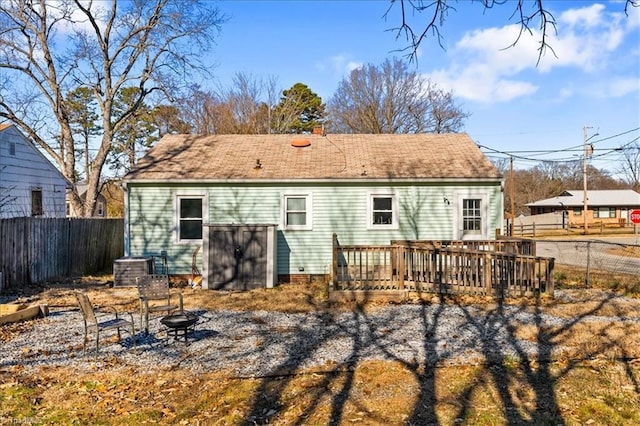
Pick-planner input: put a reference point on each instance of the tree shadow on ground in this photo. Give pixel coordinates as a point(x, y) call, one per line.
point(517, 366)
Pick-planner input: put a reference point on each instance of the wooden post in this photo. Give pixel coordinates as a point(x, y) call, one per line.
point(550, 280)
point(487, 274)
point(334, 266)
point(400, 253)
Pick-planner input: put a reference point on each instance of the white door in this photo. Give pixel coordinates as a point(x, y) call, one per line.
point(471, 221)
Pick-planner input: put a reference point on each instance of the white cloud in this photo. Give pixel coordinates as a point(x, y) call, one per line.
point(342, 65)
point(622, 86)
point(352, 65)
point(588, 17)
point(480, 84)
point(633, 18)
point(79, 21)
point(488, 67)
point(585, 38)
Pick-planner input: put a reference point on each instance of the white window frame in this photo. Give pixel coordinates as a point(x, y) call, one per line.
point(100, 209)
point(308, 226)
point(177, 219)
point(458, 232)
point(473, 231)
point(394, 210)
point(599, 212)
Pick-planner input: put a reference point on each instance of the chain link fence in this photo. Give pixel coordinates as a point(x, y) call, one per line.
point(594, 257)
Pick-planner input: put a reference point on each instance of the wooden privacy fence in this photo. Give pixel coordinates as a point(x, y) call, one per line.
point(38, 249)
point(496, 268)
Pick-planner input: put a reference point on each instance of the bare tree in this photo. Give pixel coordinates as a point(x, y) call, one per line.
point(239, 107)
point(197, 109)
point(537, 16)
point(166, 119)
point(49, 48)
point(630, 166)
point(392, 99)
point(244, 107)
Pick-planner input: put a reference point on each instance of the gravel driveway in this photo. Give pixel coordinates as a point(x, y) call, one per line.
point(259, 343)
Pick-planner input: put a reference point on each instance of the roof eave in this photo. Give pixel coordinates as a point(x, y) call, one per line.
point(315, 180)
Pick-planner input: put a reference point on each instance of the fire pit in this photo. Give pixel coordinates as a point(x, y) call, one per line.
point(180, 324)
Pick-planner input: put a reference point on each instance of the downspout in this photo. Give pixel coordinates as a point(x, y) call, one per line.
point(125, 217)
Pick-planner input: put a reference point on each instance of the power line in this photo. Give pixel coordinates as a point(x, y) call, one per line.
point(577, 148)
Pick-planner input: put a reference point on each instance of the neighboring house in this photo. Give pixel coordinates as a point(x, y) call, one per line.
point(100, 210)
point(609, 207)
point(30, 185)
point(368, 189)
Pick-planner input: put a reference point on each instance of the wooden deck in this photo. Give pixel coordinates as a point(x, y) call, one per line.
point(502, 268)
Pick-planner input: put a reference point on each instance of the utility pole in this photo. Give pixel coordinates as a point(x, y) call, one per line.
point(584, 180)
point(588, 150)
point(513, 203)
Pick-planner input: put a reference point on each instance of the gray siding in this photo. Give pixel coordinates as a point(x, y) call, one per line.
point(28, 169)
point(338, 208)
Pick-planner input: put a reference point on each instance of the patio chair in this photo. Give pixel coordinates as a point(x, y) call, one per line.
point(92, 323)
point(155, 296)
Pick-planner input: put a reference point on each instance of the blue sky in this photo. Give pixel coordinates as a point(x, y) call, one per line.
point(515, 105)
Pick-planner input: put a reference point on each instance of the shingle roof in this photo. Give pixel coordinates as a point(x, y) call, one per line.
point(595, 197)
point(334, 156)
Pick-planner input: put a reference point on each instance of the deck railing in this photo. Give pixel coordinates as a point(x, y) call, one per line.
point(480, 267)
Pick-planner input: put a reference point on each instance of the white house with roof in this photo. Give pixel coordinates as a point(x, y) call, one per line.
point(100, 209)
point(30, 185)
point(607, 206)
point(247, 198)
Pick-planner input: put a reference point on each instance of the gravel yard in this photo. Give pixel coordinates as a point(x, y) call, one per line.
point(265, 343)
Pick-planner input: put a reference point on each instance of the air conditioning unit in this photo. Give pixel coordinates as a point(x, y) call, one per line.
point(126, 269)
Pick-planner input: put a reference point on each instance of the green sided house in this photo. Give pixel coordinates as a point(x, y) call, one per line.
point(252, 210)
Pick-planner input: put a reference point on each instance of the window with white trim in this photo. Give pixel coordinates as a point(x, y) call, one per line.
point(190, 217)
point(604, 212)
point(472, 215)
point(296, 211)
point(99, 208)
point(382, 211)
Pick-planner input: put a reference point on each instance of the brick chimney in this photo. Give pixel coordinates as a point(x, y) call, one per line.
point(318, 130)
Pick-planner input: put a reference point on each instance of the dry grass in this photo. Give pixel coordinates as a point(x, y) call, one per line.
point(627, 251)
point(372, 393)
point(593, 376)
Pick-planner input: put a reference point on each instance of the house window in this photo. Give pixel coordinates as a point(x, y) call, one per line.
point(100, 209)
point(471, 215)
point(604, 212)
point(577, 211)
point(12, 148)
point(297, 211)
point(190, 219)
point(36, 202)
point(382, 211)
